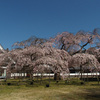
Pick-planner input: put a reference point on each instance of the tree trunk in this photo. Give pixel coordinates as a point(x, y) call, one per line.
point(81, 71)
point(41, 78)
point(27, 74)
point(8, 75)
point(87, 76)
point(97, 77)
point(57, 76)
point(49, 76)
point(37, 76)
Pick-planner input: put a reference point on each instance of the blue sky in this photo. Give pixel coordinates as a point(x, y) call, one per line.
point(21, 19)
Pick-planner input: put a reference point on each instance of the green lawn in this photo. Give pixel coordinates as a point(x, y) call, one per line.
point(60, 91)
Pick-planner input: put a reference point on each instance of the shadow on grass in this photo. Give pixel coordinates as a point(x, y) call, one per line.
point(91, 93)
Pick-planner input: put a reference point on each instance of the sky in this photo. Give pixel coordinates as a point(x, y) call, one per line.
point(21, 19)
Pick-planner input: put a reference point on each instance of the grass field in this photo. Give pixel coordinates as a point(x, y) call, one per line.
point(60, 91)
